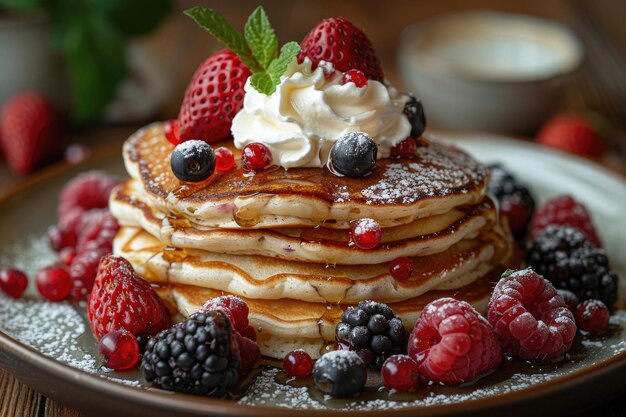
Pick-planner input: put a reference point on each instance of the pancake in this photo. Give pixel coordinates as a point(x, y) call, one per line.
point(422, 237)
point(267, 278)
point(285, 325)
point(438, 179)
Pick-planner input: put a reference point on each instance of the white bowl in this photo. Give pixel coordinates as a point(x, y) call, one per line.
point(488, 70)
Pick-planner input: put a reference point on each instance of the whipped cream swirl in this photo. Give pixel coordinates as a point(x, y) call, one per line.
point(307, 113)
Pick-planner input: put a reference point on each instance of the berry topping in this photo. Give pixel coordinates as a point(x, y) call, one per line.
point(373, 331)
point(255, 157)
point(53, 283)
point(120, 299)
point(340, 373)
point(414, 111)
point(59, 240)
point(366, 233)
point(83, 270)
point(452, 343)
point(338, 41)
point(213, 97)
point(401, 268)
point(530, 318)
point(354, 76)
point(516, 202)
point(563, 255)
point(572, 133)
point(67, 256)
point(249, 351)
point(298, 364)
point(29, 126)
point(592, 316)
point(171, 129)
point(571, 300)
point(86, 191)
point(198, 356)
point(405, 149)
point(564, 210)
point(353, 155)
point(119, 349)
point(13, 282)
point(193, 161)
point(400, 373)
point(98, 228)
point(224, 159)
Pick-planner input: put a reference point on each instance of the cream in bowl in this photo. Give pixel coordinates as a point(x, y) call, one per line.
point(487, 70)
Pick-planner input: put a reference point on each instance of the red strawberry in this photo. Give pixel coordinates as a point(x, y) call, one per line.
point(338, 41)
point(213, 97)
point(29, 129)
point(572, 133)
point(120, 299)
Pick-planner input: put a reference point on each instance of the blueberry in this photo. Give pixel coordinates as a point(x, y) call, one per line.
point(341, 373)
point(193, 161)
point(415, 113)
point(353, 155)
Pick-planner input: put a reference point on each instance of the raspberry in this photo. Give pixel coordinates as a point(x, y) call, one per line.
point(401, 268)
point(354, 76)
point(171, 129)
point(372, 330)
point(452, 343)
point(563, 255)
point(199, 356)
point(224, 159)
point(98, 226)
point(53, 283)
point(250, 353)
point(83, 270)
point(529, 317)
point(248, 333)
point(366, 233)
point(256, 157)
point(120, 299)
point(592, 316)
point(298, 364)
point(13, 282)
point(120, 349)
point(564, 210)
point(401, 373)
point(571, 300)
point(405, 149)
point(515, 199)
point(86, 191)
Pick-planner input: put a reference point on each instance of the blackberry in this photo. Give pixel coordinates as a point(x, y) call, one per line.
point(515, 199)
point(414, 111)
point(563, 255)
point(373, 331)
point(198, 356)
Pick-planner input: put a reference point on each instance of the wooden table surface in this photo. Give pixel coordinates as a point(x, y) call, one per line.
point(600, 86)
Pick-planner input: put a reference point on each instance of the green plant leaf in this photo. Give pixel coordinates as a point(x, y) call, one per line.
point(263, 83)
point(278, 66)
point(216, 25)
point(260, 37)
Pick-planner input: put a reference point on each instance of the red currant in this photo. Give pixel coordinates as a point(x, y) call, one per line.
point(120, 349)
point(400, 372)
point(224, 159)
point(405, 149)
point(67, 255)
point(298, 364)
point(256, 157)
point(592, 316)
point(53, 283)
point(366, 233)
point(13, 282)
point(58, 239)
point(172, 131)
point(355, 76)
point(401, 268)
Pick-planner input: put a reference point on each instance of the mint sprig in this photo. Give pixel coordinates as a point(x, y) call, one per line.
point(257, 47)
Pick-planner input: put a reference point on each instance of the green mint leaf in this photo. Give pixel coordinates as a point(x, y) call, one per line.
point(261, 38)
point(278, 66)
point(216, 25)
point(263, 83)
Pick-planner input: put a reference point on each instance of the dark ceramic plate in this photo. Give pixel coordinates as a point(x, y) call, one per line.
point(49, 347)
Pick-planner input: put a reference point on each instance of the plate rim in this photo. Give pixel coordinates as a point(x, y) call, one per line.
point(194, 405)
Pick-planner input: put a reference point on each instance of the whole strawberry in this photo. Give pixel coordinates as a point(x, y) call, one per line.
point(213, 97)
point(120, 299)
point(572, 133)
point(29, 130)
point(338, 41)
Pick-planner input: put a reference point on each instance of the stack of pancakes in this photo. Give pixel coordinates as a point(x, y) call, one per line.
point(280, 239)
